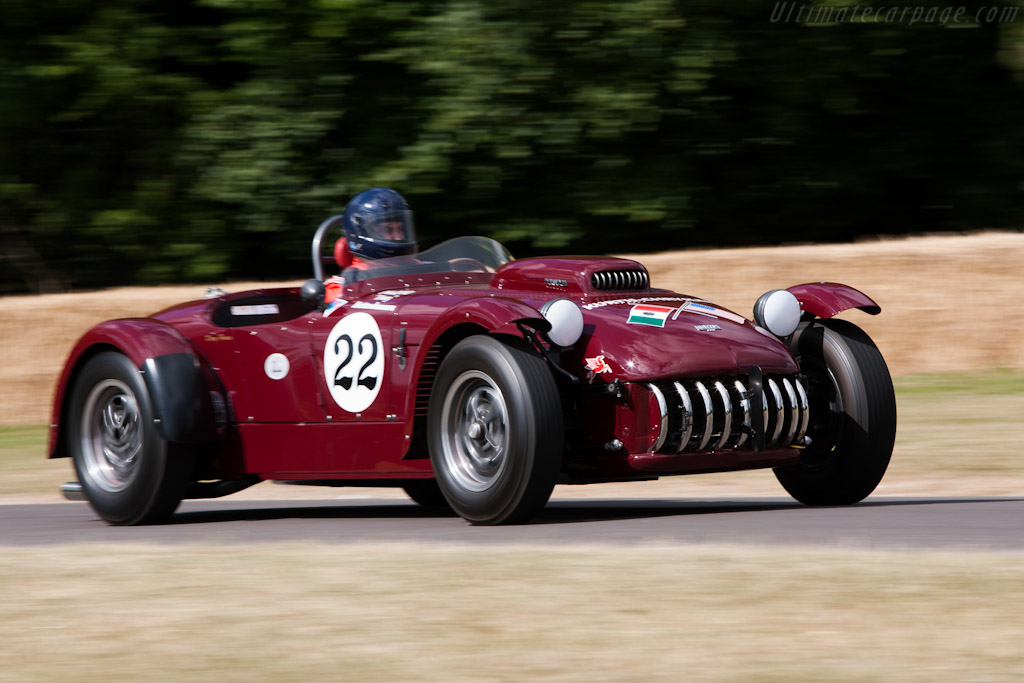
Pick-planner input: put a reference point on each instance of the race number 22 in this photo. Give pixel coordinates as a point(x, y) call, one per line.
point(353, 363)
point(344, 380)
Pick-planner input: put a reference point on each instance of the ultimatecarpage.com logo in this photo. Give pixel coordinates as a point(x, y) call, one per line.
point(802, 13)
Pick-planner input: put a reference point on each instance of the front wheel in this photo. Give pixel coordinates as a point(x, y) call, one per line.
point(852, 412)
point(495, 430)
point(426, 492)
point(126, 469)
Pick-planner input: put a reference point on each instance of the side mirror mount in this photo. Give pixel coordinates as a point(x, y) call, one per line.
point(313, 291)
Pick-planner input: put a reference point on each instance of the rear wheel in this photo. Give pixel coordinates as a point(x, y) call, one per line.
point(495, 430)
point(127, 470)
point(853, 415)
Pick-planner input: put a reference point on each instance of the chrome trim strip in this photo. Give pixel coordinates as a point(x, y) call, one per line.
point(727, 423)
point(780, 416)
point(684, 397)
point(663, 407)
point(805, 411)
point(793, 417)
point(709, 417)
point(745, 405)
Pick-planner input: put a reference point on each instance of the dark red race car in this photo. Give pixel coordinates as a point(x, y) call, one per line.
point(475, 381)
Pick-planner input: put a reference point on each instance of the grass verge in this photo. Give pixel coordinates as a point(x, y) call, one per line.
point(302, 612)
point(24, 468)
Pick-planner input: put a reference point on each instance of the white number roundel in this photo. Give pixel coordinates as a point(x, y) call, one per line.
point(354, 362)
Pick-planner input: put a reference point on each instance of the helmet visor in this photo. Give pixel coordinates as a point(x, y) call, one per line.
point(390, 227)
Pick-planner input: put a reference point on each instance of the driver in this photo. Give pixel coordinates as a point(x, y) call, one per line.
point(377, 224)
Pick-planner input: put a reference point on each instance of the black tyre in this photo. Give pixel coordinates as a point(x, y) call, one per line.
point(495, 430)
point(426, 492)
point(127, 471)
point(852, 413)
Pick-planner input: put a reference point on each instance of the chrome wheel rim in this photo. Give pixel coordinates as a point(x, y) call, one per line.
point(111, 436)
point(475, 438)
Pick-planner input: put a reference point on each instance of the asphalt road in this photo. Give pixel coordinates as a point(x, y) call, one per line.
point(910, 523)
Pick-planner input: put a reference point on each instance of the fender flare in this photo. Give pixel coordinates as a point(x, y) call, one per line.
point(827, 299)
point(494, 314)
point(178, 384)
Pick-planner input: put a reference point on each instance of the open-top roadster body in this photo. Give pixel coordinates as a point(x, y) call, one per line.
point(475, 381)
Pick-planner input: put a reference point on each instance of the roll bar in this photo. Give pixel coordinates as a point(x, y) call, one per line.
point(318, 260)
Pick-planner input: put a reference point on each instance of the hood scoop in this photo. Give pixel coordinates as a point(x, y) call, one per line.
point(627, 280)
point(573, 275)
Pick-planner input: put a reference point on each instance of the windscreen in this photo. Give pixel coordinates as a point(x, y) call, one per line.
point(461, 254)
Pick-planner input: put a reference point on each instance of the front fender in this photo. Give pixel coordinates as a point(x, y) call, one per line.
point(827, 299)
point(181, 395)
point(494, 314)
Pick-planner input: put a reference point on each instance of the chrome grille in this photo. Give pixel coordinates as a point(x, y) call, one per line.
point(606, 280)
point(716, 414)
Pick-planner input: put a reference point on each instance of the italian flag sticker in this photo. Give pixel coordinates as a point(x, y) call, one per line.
point(649, 315)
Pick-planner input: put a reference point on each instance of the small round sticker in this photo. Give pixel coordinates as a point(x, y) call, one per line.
point(276, 366)
point(354, 362)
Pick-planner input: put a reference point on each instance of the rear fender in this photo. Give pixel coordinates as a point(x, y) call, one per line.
point(827, 299)
point(181, 391)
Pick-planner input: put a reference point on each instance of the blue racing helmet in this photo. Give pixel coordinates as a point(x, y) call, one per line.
point(378, 224)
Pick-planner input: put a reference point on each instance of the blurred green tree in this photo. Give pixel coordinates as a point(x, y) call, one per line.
point(201, 140)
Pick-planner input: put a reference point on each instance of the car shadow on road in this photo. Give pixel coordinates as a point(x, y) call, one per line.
point(568, 512)
point(327, 510)
point(556, 512)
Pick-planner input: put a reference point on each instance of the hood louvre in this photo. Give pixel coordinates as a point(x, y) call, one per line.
point(620, 280)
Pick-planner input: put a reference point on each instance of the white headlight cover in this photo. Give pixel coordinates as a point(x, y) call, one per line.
point(778, 311)
point(566, 320)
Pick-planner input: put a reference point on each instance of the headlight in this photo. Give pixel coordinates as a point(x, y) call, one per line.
point(566, 320)
point(778, 311)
